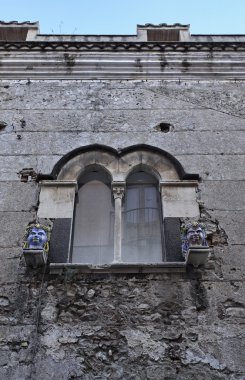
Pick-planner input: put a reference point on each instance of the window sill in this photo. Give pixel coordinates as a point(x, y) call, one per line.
point(166, 267)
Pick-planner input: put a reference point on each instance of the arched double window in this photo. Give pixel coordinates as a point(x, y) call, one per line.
point(111, 207)
point(140, 220)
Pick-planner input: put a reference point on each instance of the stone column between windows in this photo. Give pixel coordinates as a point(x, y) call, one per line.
point(118, 194)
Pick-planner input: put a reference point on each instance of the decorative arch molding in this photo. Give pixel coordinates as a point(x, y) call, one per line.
point(119, 163)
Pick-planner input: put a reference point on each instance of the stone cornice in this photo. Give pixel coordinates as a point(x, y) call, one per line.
point(122, 46)
point(116, 60)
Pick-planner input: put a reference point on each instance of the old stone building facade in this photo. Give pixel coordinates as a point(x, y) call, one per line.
point(111, 143)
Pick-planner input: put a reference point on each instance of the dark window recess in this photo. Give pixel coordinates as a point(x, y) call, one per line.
point(172, 239)
point(163, 35)
point(60, 240)
point(13, 34)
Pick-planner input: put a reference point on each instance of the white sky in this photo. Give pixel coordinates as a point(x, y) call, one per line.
point(121, 16)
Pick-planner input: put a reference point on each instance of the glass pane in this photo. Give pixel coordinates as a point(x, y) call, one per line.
point(132, 204)
point(150, 198)
point(151, 213)
point(94, 223)
point(142, 239)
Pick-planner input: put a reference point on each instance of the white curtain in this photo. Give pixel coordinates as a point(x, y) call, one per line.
point(94, 223)
point(142, 237)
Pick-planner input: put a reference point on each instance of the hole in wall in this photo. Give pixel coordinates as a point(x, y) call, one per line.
point(164, 127)
point(2, 124)
point(22, 123)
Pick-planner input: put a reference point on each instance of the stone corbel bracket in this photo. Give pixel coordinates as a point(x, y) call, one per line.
point(197, 256)
point(35, 258)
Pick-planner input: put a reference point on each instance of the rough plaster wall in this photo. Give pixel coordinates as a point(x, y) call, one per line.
point(121, 327)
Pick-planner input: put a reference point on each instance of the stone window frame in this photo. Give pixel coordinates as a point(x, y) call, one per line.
point(178, 192)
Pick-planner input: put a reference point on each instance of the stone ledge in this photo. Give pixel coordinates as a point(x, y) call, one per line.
point(59, 268)
point(189, 183)
point(58, 183)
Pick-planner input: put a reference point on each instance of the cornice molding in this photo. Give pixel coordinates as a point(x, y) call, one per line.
point(113, 60)
point(122, 46)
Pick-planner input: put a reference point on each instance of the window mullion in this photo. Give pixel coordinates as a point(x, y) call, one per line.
point(118, 191)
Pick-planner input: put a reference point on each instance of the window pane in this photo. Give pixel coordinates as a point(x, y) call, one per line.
point(142, 240)
point(94, 223)
point(132, 204)
point(150, 197)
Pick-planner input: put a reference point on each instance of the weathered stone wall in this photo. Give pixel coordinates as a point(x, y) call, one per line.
point(168, 326)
